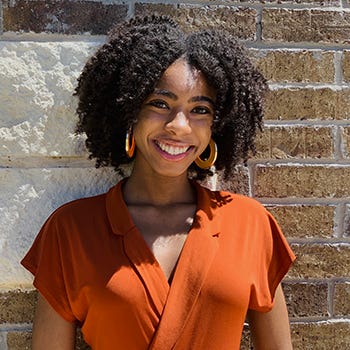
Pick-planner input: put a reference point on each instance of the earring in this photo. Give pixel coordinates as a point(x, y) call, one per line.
point(129, 149)
point(207, 163)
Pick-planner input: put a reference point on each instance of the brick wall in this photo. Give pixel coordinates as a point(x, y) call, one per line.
point(301, 171)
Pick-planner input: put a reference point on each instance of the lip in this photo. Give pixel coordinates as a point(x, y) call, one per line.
point(172, 144)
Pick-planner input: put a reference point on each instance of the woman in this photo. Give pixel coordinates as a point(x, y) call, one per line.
point(160, 262)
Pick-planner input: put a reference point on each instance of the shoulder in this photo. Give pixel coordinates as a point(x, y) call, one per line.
point(227, 201)
point(83, 209)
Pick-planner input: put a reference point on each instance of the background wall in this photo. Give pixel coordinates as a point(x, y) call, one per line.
point(301, 171)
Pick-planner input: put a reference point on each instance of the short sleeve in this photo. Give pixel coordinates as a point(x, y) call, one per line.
point(44, 261)
point(273, 260)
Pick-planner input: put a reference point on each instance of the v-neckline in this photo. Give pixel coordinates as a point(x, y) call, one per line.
point(172, 303)
point(151, 254)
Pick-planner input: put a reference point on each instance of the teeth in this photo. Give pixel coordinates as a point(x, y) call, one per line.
point(173, 150)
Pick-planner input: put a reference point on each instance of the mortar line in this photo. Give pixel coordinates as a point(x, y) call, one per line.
point(1, 18)
point(339, 220)
point(297, 201)
point(330, 298)
point(338, 72)
point(131, 10)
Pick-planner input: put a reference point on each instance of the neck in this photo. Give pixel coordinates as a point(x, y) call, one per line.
point(158, 190)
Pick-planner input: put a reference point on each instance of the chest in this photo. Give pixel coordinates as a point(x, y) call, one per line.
point(165, 231)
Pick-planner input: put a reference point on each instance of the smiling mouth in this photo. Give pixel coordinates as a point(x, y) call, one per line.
point(171, 149)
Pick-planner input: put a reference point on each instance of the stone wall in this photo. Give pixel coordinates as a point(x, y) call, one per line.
point(301, 171)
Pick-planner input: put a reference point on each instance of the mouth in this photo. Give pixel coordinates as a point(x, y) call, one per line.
point(173, 150)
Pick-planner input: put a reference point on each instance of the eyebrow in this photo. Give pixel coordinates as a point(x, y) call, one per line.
point(174, 97)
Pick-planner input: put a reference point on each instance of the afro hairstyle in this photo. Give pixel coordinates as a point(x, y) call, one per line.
point(125, 70)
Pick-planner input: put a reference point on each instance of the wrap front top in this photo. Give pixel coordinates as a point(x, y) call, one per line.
point(93, 266)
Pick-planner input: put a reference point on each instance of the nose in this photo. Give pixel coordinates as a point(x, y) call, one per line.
point(178, 124)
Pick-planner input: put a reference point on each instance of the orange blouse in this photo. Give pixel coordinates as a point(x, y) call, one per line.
point(93, 266)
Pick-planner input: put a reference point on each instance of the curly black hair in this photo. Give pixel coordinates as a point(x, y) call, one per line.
point(125, 70)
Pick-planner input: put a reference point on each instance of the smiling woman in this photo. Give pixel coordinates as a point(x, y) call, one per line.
point(174, 124)
point(160, 262)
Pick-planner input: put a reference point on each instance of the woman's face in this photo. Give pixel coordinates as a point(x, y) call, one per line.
point(174, 124)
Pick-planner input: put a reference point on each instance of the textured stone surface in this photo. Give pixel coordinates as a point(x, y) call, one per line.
point(346, 66)
point(346, 232)
point(287, 2)
point(19, 340)
point(295, 142)
point(17, 306)
point(238, 182)
point(342, 299)
point(346, 141)
point(28, 196)
point(308, 103)
point(295, 65)
point(47, 163)
point(306, 299)
point(321, 335)
point(22, 341)
point(37, 114)
point(63, 17)
point(302, 221)
point(321, 261)
point(240, 21)
point(302, 181)
point(303, 25)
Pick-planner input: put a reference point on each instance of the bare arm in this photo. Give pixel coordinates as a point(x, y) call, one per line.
point(271, 331)
point(50, 330)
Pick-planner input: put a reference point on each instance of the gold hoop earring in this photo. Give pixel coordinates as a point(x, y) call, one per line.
point(207, 163)
point(129, 149)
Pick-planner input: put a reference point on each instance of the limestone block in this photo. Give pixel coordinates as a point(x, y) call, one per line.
point(301, 25)
point(305, 221)
point(37, 115)
point(321, 261)
point(295, 65)
point(295, 142)
point(302, 181)
point(326, 335)
point(241, 21)
point(308, 104)
point(346, 142)
point(306, 299)
point(19, 340)
point(64, 16)
point(346, 66)
point(17, 306)
point(341, 299)
point(28, 197)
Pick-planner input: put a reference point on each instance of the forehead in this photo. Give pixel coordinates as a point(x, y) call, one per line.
point(182, 77)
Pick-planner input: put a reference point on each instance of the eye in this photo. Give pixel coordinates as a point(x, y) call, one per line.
point(158, 104)
point(202, 110)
